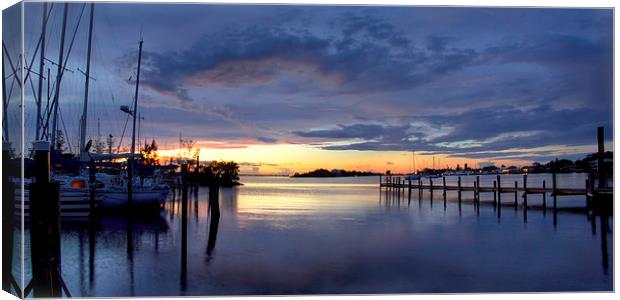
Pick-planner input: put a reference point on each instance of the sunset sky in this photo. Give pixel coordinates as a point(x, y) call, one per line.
point(281, 89)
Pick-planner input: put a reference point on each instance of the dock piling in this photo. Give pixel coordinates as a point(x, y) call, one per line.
point(44, 209)
point(92, 169)
point(499, 191)
point(544, 195)
point(555, 191)
point(516, 194)
point(494, 193)
point(184, 194)
point(525, 197)
point(459, 189)
point(602, 175)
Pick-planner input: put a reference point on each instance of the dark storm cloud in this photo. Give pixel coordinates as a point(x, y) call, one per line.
point(367, 55)
point(490, 129)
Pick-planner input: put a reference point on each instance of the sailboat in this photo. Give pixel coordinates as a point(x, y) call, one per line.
point(123, 191)
point(414, 175)
point(74, 190)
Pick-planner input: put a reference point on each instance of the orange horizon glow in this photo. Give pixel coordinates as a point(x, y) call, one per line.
point(286, 159)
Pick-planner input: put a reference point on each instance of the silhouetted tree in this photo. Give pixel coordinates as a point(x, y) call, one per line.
point(222, 173)
point(149, 153)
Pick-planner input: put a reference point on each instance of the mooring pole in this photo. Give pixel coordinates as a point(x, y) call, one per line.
point(602, 175)
point(525, 197)
point(494, 193)
point(44, 209)
point(91, 187)
point(444, 187)
point(555, 191)
point(516, 194)
point(475, 193)
point(459, 189)
point(544, 195)
point(214, 207)
point(499, 191)
point(184, 179)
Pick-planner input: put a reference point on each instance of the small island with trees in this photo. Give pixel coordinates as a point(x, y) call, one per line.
point(334, 173)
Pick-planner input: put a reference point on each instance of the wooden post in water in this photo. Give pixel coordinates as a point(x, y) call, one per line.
point(588, 199)
point(44, 209)
point(444, 186)
point(431, 183)
point(92, 172)
point(499, 191)
point(516, 194)
point(602, 175)
point(525, 197)
point(430, 180)
point(544, 195)
point(409, 180)
point(478, 186)
point(444, 193)
point(494, 192)
point(214, 207)
point(475, 194)
point(459, 188)
point(555, 191)
point(184, 179)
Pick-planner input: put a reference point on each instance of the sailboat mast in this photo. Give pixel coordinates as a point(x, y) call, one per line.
point(413, 158)
point(135, 104)
point(87, 81)
point(59, 75)
point(41, 69)
point(133, 135)
point(5, 122)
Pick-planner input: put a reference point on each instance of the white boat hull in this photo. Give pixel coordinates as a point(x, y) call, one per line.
point(117, 199)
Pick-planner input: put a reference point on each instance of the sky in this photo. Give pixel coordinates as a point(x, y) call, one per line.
point(289, 88)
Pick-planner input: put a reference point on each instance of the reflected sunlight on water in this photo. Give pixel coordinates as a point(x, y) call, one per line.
point(279, 235)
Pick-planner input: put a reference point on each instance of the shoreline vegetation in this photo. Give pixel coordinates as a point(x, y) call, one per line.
point(334, 173)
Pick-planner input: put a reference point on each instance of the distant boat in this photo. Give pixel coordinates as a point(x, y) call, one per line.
point(414, 177)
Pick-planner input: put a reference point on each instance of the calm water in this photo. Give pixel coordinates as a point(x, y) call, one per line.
point(280, 235)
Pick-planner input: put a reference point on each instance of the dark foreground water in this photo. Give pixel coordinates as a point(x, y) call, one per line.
point(280, 235)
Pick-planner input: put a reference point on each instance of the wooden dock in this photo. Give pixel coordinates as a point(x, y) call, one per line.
point(402, 183)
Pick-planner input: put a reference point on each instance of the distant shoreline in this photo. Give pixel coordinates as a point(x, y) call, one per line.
point(323, 173)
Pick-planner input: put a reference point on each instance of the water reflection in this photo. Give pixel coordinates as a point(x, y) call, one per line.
point(214, 210)
point(281, 233)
